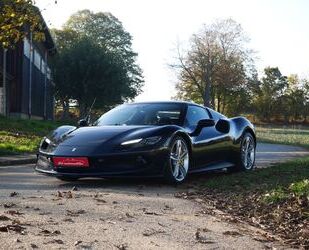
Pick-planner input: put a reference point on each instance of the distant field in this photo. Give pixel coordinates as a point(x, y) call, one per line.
point(292, 136)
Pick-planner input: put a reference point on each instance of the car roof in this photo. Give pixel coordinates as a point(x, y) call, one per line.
point(166, 102)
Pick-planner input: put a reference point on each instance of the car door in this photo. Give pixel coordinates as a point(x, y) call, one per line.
point(208, 146)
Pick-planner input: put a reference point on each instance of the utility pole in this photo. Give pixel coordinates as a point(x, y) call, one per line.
point(30, 77)
point(45, 87)
point(4, 83)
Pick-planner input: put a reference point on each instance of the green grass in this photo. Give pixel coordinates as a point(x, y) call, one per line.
point(289, 176)
point(22, 136)
point(298, 137)
point(274, 198)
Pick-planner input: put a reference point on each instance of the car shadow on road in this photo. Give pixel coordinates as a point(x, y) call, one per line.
point(24, 178)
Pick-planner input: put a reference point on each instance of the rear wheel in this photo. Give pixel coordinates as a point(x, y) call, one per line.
point(179, 161)
point(247, 153)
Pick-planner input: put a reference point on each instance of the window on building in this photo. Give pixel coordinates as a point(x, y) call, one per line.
point(42, 66)
point(37, 59)
point(48, 73)
point(26, 48)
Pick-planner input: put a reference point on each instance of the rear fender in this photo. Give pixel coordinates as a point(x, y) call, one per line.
point(240, 126)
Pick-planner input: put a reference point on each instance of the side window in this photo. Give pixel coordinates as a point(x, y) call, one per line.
point(215, 115)
point(194, 114)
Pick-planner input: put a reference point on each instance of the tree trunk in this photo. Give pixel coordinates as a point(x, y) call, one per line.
point(219, 103)
point(83, 109)
point(207, 97)
point(65, 110)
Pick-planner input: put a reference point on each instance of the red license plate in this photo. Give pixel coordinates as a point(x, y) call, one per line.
point(71, 161)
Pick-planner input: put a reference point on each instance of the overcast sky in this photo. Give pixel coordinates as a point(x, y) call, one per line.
point(279, 31)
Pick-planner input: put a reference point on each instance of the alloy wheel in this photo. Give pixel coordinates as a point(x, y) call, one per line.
point(248, 152)
point(179, 158)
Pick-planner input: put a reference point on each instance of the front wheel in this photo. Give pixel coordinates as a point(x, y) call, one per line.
point(179, 161)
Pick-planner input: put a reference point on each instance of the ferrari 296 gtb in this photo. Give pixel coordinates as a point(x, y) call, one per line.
point(149, 139)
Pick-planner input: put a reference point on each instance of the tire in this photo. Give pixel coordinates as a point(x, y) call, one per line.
point(69, 179)
point(246, 157)
point(178, 163)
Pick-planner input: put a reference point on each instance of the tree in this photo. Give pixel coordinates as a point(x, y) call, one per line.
point(108, 32)
point(91, 64)
point(306, 91)
point(269, 94)
point(84, 72)
point(215, 63)
point(295, 98)
point(17, 18)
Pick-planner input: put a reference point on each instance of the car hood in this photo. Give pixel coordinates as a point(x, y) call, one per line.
point(98, 140)
point(97, 135)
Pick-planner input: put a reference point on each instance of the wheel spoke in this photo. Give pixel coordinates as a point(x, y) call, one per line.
point(179, 148)
point(182, 170)
point(176, 171)
point(183, 155)
point(245, 161)
point(173, 157)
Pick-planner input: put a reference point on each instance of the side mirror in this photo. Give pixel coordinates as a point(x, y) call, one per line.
point(203, 124)
point(82, 123)
point(223, 126)
point(206, 123)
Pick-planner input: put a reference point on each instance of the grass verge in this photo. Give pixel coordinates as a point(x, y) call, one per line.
point(275, 199)
point(22, 136)
point(298, 137)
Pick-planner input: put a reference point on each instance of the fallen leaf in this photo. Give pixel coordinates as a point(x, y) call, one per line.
point(151, 231)
point(232, 233)
point(4, 218)
point(152, 213)
point(202, 239)
point(13, 212)
point(68, 220)
point(32, 245)
point(122, 246)
point(9, 205)
point(58, 241)
point(13, 194)
point(101, 200)
point(75, 213)
point(16, 228)
point(76, 243)
point(129, 215)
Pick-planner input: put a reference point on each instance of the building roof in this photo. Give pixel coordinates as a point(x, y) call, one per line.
point(49, 41)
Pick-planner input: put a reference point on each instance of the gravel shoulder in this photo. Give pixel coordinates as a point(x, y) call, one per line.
point(117, 214)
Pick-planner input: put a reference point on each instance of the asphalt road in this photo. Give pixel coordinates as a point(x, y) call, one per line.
point(23, 177)
point(132, 214)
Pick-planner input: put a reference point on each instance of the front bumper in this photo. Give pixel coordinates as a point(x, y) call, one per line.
point(127, 164)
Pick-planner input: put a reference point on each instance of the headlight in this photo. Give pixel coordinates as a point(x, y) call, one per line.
point(131, 142)
point(147, 141)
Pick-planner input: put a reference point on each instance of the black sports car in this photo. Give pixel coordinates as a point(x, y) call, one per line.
point(168, 139)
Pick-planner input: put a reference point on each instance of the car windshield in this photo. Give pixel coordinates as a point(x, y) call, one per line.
point(143, 114)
